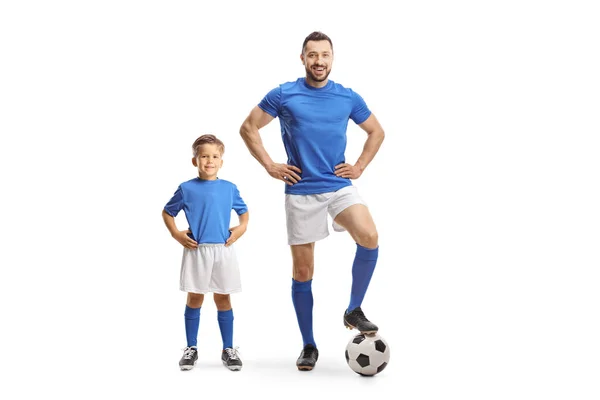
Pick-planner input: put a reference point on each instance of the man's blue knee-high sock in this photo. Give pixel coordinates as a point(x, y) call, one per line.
point(362, 271)
point(192, 322)
point(303, 304)
point(225, 319)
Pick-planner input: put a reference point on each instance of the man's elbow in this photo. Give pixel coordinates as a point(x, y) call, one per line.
point(245, 129)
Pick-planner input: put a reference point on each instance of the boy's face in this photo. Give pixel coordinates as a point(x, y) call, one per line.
point(208, 161)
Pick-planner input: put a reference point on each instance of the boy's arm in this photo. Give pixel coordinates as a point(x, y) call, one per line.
point(180, 236)
point(238, 231)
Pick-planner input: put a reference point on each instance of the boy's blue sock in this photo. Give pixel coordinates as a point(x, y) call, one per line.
point(192, 322)
point(362, 271)
point(303, 304)
point(225, 319)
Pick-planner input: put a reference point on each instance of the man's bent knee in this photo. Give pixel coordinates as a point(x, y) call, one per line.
point(368, 239)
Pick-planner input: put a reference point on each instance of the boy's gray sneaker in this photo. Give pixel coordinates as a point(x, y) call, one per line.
point(231, 359)
point(190, 356)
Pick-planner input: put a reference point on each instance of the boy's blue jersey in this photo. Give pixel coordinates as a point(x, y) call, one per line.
point(207, 206)
point(313, 128)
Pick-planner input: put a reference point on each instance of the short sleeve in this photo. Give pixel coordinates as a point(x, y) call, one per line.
point(238, 203)
point(360, 111)
point(176, 203)
point(271, 102)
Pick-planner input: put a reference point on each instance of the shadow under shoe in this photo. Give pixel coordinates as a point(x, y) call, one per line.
point(356, 319)
point(308, 358)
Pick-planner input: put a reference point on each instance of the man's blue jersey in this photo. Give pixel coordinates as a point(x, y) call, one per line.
point(313, 128)
point(207, 206)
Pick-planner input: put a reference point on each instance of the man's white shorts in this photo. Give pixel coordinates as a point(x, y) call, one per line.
point(306, 215)
point(210, 268)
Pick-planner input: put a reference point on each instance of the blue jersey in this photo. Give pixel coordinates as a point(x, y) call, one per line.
point(313, 128)
point(207, 206)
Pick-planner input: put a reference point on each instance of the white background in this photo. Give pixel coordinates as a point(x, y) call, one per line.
point(485, 193)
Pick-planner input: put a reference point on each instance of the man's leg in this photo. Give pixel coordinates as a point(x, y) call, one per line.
point(303, 268)
point(357, 220)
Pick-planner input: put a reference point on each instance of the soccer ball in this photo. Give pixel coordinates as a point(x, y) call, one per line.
point(367, 355)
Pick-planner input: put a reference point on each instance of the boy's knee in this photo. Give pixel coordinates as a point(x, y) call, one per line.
point(222, 301)
point(195, 300)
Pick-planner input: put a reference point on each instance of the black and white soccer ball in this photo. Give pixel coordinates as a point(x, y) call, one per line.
point(367, 355)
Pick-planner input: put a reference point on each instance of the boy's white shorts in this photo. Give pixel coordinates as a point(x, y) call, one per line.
point(306, 215)
point(210, 268)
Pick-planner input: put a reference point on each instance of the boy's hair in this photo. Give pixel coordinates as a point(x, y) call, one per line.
point(316, 36)
point(207, 139)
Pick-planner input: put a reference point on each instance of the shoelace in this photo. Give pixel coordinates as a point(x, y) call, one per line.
point(232, 353)
point(188, 353)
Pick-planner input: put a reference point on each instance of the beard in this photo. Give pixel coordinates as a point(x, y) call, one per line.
point(315, 78)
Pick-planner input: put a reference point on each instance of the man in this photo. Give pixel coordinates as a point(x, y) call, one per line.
point(314, 113)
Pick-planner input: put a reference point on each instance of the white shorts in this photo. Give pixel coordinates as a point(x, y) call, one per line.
point(306, 215)
point(210, 268)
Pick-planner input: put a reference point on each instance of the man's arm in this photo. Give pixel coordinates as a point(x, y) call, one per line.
point(250, 133)
point(375, 136)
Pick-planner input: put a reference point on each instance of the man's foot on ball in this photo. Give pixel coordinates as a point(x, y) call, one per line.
point(356, 319)
point(308, 358)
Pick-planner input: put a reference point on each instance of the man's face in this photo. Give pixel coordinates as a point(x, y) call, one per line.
point(317, 59)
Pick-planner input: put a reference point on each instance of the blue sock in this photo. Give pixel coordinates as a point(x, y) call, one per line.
point(303, 304)
point(192, 322)
point(362, 271)
point(226, 325)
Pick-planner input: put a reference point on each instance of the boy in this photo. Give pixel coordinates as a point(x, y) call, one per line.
point(209, 262)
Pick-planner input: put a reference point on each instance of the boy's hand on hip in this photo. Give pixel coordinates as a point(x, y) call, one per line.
point(186, 241)
point(236, 232)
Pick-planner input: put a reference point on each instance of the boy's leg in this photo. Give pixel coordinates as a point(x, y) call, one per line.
point(192, 323)
point(225, 318)
point(192, 317)
point(229, 355)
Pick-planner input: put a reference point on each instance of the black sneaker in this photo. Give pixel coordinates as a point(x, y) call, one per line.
point(356, 319)
point(231, 359)
point(308, 358)
point(190, 356)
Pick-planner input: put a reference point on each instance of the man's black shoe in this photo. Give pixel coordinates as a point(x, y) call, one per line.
point(308, 358)
point(356, 319)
